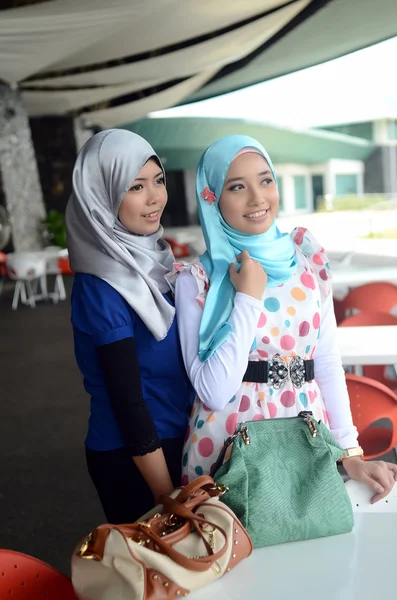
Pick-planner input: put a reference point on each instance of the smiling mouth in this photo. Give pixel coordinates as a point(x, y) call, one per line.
point(257, 215)
point(152, 214)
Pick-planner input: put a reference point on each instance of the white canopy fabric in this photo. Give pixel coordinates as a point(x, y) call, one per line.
point(113, 62)
point(212, 53)
point(108, 117)
point(65, 34)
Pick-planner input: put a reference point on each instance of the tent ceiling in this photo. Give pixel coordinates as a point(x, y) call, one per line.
point(113, 62)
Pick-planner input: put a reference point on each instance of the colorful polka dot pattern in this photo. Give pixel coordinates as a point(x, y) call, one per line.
point(287, 342)
point(289, 325)
point(303, 399)
point(304, 328)
point(206, 447)
point(262, 320)
point(272, 304)
point(298, 294)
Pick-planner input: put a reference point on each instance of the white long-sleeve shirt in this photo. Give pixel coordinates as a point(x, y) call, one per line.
point(220, 377)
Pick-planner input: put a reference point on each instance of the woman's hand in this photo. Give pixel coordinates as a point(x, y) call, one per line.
point(378, 475)
point(251, 279)
point(154, 470)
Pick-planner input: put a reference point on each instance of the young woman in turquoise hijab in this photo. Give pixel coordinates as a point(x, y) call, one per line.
point(256, 318)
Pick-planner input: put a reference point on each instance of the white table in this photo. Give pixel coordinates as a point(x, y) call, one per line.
point(368, 345)
point(355, 566)
point(354, 276)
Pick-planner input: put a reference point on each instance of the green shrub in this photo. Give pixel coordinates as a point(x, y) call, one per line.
point(56, 228)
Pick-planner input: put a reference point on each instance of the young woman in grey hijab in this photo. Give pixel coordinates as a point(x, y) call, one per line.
point(126, 339)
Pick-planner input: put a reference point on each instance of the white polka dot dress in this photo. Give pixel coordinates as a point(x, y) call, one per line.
point(289, 325)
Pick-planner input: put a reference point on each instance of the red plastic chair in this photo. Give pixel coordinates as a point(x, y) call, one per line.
point(368, 319)
point(178, 250)
point(378, 296)
point(23, 577)
point(339, 310)
point(3, 270)
point(64, 266)
point(371, 401)
point(3, 260)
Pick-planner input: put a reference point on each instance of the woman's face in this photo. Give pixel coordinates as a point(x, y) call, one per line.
point(249, 199)
point(142, 206)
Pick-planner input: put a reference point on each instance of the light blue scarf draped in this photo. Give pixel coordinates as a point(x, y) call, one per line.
point(273, 250)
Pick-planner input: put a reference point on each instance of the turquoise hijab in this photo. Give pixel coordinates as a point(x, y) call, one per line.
point(273, 250)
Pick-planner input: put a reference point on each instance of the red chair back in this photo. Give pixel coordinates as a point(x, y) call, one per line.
point(3, 268)
point(371, 401)
point(23, 577)
point(179, 250)
point(64, 266)
point(369, 319)
point(339, 310)
point(378, 296)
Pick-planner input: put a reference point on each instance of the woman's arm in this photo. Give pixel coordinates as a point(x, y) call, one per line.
point(120, 368)
point(218, 379)
point(330, 377)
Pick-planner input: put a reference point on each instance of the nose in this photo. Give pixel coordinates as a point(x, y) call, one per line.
point(257, 197)
point(153, 196)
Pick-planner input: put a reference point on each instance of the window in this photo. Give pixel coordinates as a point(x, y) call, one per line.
point(300, 191)
point(362, 130)
point(346, 184)
point(317, 190)
point(280, 193)
point(392, 129)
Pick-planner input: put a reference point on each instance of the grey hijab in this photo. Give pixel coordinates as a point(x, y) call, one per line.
point(100, 245)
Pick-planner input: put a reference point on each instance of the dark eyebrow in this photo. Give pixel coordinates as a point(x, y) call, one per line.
point(145, 178)
point(267, 172)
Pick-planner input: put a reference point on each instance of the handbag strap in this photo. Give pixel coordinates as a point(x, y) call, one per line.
point(182, 510)
point(181, 506)
point(202, 563)
point(194, 486)
point(94, 546)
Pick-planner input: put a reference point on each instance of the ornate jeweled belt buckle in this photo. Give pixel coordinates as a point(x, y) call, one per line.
point(280, 370)
point(297, 371)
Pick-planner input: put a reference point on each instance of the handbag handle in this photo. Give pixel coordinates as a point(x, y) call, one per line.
point(199, 564)
point(95, 544)
point(193, 487)
point(181, 510)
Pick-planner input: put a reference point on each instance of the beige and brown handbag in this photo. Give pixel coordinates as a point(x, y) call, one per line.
point(189, 541)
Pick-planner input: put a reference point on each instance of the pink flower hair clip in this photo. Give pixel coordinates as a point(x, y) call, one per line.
point(208, 195)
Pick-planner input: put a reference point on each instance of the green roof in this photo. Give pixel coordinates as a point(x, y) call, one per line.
point(181, 141)
point(330, 29)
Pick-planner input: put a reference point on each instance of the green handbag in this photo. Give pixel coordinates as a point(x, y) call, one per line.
point(282, 481)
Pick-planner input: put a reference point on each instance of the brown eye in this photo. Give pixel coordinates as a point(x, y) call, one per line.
point(236, 187)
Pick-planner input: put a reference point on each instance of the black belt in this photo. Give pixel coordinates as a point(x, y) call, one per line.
point(276, 371)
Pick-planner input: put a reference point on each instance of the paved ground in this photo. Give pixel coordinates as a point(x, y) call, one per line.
point(46, 499)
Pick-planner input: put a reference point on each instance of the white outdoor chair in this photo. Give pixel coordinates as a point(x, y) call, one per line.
point(360, 496)
point(25, 268)
point(51, 255)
